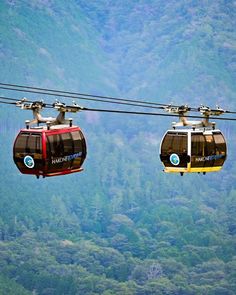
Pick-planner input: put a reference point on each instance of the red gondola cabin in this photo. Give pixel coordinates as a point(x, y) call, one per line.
point(47, 152)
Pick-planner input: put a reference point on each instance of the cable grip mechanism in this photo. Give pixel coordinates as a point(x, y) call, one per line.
point(37, 107)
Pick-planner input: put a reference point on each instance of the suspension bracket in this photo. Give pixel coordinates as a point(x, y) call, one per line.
point(37, 107)
point(25, 105)
point(205, 111)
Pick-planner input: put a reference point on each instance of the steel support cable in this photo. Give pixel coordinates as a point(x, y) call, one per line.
point(128, 112)
point(230, 112)
point(9, 98)
point(83, 94)
point(17, 100)
point(153, 114)
point(5, 102)
point(77, 94)
point(140, 104)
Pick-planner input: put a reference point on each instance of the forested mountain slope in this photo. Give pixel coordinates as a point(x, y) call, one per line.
point(122, 226)
point(176, 49)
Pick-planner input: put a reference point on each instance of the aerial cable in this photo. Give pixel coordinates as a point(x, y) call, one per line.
point(47, 105)
point(9, 98)
point(82, 94)
point(139, 104)
point(5, 102)
point(77, 95)
point(90, 97)
point(15, 100)
point(230, 112)
point(131, 112)
point(152, 114)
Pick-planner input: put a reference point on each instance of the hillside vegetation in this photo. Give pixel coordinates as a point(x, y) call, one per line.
point(122, 226)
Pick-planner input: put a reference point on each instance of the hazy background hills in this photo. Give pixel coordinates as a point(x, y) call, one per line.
point(122, 226)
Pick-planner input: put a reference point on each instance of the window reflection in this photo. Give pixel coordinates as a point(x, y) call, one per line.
point(207, 150)
point(174, 143)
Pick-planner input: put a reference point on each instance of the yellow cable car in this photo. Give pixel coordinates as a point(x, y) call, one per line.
point(193, 146)
point(187, 151)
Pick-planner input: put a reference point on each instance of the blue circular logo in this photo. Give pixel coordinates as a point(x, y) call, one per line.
point(29, 162)
point(174, 159)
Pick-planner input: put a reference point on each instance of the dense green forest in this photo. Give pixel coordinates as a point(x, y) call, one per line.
point(122, 226)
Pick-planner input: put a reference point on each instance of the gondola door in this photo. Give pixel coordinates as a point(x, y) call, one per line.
point(174, 151)
point(28, 155)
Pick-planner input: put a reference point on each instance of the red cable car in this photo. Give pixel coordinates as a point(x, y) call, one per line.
point(50, 150)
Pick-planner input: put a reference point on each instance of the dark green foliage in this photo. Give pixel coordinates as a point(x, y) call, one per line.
point(10, 287)
point(122, 226)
